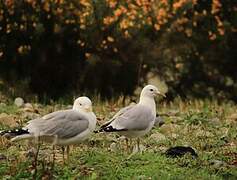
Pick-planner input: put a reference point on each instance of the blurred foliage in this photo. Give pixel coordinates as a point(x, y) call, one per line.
point(109, 46)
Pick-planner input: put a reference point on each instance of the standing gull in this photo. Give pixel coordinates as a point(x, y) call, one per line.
point(64, 128)
point(135, 120)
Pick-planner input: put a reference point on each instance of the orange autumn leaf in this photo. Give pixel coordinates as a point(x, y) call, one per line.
point(157, 27)
point(118, 12)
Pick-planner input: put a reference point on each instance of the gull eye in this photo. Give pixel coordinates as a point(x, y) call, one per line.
point(151, 90)
point(80, 104)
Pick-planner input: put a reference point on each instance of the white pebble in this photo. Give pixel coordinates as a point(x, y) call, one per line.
point(19, 102)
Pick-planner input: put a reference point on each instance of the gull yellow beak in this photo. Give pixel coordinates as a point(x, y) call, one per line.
point(160, 93)
point(88, 109)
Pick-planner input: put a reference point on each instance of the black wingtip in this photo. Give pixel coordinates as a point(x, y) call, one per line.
point(112, 129)
point(97, 131)
point(14, 132)
point(102, 129)
point(108, 129)
point(2, 133)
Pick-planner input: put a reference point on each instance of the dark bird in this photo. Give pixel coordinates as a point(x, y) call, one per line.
point(180, 151)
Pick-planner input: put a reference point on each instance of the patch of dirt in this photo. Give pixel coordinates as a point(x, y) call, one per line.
point(8, 120)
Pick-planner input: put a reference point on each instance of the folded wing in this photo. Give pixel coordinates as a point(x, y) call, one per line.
point(137, 117)
point(63, 124)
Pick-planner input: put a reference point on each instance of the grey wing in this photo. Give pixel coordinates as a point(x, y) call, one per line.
point(123, 110)
point(119, 113)
point(63, 124)
point(139, 117)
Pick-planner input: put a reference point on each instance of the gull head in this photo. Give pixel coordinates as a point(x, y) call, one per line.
point(83, 104)
point(151, 91)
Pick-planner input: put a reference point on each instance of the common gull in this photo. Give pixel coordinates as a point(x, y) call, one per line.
point(135, 120)
point(64, 127)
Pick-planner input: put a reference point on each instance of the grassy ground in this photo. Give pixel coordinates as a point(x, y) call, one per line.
point(208, 127)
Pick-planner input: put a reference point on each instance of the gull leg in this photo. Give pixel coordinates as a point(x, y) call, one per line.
point(63, 150)
point(131, 146)
point(138, 144)
point(53, 157)
point(55, 141)
point(37, 141)
point(68, 152)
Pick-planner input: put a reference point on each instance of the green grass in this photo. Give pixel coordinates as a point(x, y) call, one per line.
point(209, 127)
point(10, 109)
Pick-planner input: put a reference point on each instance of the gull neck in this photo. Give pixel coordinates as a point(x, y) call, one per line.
point(149, 102)
point(76, 107)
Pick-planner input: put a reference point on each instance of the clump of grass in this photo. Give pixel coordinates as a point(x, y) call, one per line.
point(200, 116)
point(8, 109)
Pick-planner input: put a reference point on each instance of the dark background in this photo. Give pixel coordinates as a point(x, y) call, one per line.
point(56, 48)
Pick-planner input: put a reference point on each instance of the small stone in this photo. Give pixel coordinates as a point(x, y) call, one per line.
point(158, 137)
point(217, 163)
point(28, 108)
point(169, 128)
point(174, 136)
point(113, 147)
point(28, 105)
point(19, 102)
point(162, 148)
point(215, 121)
